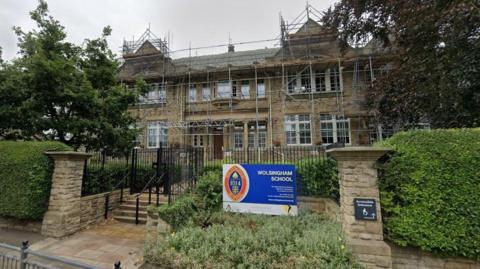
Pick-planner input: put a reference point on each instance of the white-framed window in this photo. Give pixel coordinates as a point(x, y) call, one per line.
point(320, 82)
point(157, 94)
point(298, 130)
point(197, 141)
point(335, 80)
point(261, 88)
point(245, 89)
point(328, 80)
point(335, 129)
point(206, 92)
point(157, 134)
point(224, 89)
point(260, 139)
point(192, 93)
point(238, 137)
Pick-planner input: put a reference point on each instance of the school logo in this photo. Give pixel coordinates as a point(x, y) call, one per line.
point(236, 183)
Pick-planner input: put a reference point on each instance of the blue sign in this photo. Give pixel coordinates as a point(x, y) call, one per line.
point(260, 188)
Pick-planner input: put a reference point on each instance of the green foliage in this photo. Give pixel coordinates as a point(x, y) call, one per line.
point(434, 76)
point(317, 177)
point(210, 189)
point(254, 241)
point(61, 91)
point(430, 191)
point(196, 206)
point(25, 178)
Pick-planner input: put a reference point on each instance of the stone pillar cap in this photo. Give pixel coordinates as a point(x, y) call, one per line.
point(68, 155)
point(358, 153)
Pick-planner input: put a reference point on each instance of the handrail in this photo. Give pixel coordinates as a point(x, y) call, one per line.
point(9, 247)
point(107, 195)
point(59, 259)
point(149, 182)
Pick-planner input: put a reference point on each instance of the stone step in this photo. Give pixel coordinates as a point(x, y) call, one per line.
point(130, 213)
point(130, 219)
point(132, 208)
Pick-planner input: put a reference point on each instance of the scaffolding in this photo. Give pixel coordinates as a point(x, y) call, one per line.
point(293, 59)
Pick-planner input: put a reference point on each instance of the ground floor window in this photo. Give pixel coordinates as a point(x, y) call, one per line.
point(335, 129)
point(257, 139)
point(298, 130)
point(157, 134)
point(238, 138)
point(197, 141)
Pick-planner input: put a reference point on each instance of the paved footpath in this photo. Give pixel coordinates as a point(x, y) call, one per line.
point(100, 246)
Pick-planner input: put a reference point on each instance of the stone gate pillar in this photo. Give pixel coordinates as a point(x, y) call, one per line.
point(63, 215)
point(358, 180)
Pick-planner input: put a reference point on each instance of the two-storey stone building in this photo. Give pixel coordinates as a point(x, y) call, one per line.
point(305, 92)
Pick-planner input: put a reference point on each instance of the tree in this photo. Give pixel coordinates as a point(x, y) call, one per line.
point(435, 76)
point(58, 90)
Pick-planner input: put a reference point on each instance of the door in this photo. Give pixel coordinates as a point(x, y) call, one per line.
point(218, 146)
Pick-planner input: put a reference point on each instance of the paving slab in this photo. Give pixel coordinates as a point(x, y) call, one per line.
point(101, 245)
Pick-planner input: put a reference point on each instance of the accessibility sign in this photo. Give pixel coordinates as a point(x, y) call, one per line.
point(365, 209)
point(260, 189)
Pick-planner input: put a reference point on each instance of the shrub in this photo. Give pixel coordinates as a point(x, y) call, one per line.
point(179, 213)
point(255, 241)
point(25, 178)
point(210, 189)
point(317, 177)
point(430, 191)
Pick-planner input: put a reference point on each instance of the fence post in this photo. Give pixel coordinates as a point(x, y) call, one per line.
point(23, 255)
point(133, 171)
point(107, 199)
point(117, 265)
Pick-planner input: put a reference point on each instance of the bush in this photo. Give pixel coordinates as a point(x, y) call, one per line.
point(196, 206)
point(25, 178)
point(430, 191)
point(255, 241)
point(318, 177)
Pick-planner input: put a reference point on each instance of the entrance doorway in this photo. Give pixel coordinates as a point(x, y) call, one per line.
point(218, 145)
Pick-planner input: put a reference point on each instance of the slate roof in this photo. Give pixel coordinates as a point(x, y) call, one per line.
point(238, 58)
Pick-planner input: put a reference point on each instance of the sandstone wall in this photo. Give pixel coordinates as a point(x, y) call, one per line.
point(93, 207)
point(325, 206)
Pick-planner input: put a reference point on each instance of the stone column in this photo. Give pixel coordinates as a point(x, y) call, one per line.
point(63, 215)
point(358, 179)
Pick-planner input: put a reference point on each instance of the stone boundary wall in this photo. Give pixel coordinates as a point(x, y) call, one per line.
point(93, 207)
point(21, 225)
point(322, 205)
point(406, 258)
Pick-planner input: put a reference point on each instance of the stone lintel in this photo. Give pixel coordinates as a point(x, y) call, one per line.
point(70, 155)
point(358, 153)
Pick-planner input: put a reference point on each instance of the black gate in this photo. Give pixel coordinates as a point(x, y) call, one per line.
point(166, 170)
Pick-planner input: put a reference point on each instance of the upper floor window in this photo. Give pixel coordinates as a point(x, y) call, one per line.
point(334, 79)
point(320, 81)
point(245, 89)
point(297, 130)
point(157, 134)
point(206, 92)
point(335, 129)
point(260, 88)
point(224, 89)
point(156, 94)
point(197, 141)
point(192, 93)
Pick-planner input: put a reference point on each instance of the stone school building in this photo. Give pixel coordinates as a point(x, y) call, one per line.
point(304, 92)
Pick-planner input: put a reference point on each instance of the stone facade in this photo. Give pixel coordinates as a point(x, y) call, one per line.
point(63, 215)
point(325, 206)
point(93, 207)
point(410, 258)
point(358, 179)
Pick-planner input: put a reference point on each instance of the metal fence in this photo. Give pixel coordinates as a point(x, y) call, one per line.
point(12, 257)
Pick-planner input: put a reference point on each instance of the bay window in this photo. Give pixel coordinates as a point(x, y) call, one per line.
point(245, 89)
point(224, 89)
point(192, 93)
point(261, 88)
point(206, 92)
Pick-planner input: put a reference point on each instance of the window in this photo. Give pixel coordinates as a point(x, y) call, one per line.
point(224, 90)
point(156, 94)
point(238, 137)
point(206, 92)
point(245, 89)
point(260, 139)
point(335, 129)
point(261, 88)
point(192, 93)
point(305, 81)
point(157, 134)
point(297, 130)
point(335, 79)
point(197, 141)
point(320, 83)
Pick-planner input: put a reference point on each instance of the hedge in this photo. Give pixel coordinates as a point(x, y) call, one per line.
point(430, 191)
point(25, 178)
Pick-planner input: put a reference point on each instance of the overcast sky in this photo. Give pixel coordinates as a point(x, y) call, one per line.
point(191, 22)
